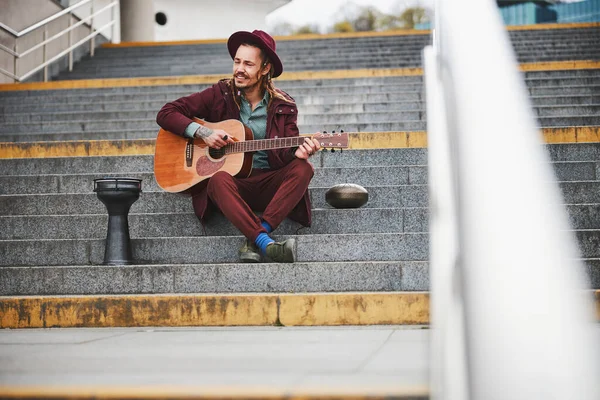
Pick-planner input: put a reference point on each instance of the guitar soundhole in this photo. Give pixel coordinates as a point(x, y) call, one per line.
point(216, 153)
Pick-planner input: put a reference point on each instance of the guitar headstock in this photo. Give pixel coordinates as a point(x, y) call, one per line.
point(332, 140)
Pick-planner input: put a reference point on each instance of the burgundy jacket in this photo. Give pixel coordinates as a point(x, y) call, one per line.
point(217, 104)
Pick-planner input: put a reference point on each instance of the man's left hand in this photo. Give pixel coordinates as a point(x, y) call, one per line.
point(307, 149)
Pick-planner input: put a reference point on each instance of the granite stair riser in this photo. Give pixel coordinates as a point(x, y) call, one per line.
point(199, 54)
point(217, 249)
point(325, 221)
point(145, 120)
point(145, 129)
point(226, 278)
point(216, 278)
point(39, 184)
point(145, 163)
point(532, 76)
point(306, 104)
point(404, 110)
point(70, 182)
point(565, 158)
point(314, 92)
point(140, 128)
point(296, 88)
point(161, 202)
point(223, 249)
point(590, 90)
point(188, 68)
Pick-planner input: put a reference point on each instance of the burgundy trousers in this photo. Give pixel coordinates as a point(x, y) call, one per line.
point(273, 192)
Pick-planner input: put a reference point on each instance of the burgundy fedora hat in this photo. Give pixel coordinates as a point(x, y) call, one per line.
point(261, 39)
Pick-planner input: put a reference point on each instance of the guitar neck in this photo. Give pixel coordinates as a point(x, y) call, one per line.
point(264, 144)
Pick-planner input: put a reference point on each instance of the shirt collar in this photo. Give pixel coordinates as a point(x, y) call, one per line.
point(264, 101)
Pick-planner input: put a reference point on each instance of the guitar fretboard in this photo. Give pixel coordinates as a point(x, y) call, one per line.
point(264, 144)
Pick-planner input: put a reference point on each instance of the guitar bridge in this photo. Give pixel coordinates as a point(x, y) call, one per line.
point(189, 153)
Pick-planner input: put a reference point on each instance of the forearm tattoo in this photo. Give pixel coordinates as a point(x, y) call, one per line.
point(203, 132)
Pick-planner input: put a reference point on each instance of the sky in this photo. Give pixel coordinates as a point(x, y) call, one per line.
point(325, 13)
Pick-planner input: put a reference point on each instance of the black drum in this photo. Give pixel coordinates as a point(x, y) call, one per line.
point(118, 194)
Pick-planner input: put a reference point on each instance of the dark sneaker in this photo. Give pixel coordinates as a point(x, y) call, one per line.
point(249, 253)
point(283, 252)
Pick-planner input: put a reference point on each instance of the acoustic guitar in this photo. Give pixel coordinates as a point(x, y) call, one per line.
point(181, 163)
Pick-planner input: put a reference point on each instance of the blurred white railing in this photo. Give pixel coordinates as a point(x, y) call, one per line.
point(510, 315)
point(112, 7)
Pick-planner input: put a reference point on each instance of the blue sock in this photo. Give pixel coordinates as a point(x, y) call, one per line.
point(262, 240)
point(267, 227)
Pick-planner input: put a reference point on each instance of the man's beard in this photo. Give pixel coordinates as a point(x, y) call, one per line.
point(247, 87)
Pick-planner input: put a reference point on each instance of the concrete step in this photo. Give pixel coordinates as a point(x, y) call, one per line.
point(156, 225)
point(223, 249)
point(592, 89)
point(44, 97)
point(325, 221)
point(394, 173)
point(401, 109)
point(215, 278)
point(144, 128)
point(162, 202)
point(225, 278)
point(217, 249)
point(414, 195)
point(570, 160)
point(80, 183)
point(306, 104)
point(107, 165)
point(65, 136)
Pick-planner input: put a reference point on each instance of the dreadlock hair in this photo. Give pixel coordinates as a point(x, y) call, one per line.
point(265, 81)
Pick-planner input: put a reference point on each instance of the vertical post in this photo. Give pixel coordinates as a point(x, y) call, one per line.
point(70, 43)
point(113, 15)
point(16, 59)
point(93, 40)
point(44, 51)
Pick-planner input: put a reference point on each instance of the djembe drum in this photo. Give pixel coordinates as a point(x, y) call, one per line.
point(118, 194)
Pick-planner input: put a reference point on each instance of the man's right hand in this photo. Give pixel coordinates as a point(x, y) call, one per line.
point(216, 141)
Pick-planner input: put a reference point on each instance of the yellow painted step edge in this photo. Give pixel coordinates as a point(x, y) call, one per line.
point(287, 76)
point(349, 35)
point(213, 392)
point(306, 309)
point(358, 141)
point(172, 310)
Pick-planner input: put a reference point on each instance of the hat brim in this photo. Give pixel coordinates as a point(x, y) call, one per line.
point(238, 38)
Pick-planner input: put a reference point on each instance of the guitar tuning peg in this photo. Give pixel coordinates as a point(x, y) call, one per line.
point(341, 150)
point(341, 131)
point(332, 131)
point(324, 131)
point(333, 150)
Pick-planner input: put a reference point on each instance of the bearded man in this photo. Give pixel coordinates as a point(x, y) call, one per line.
point(278, 183)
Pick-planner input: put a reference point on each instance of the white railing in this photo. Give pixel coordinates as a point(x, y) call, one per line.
point(112, 6)
point(510, 315)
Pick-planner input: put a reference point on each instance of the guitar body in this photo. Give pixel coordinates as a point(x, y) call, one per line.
point(181, 163)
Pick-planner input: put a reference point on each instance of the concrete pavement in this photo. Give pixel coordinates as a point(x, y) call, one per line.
point(387, 360)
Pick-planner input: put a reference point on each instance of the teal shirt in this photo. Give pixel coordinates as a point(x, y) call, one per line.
point(255, 120)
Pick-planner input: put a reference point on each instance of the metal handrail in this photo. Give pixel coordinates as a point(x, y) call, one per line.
point(44, 23)
point(509, 313)
point(65, 52)
point(69, 29)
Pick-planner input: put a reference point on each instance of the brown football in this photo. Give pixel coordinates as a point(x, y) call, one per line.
point(347, 195)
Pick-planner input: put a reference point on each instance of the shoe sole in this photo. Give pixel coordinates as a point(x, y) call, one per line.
point(250, 258)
